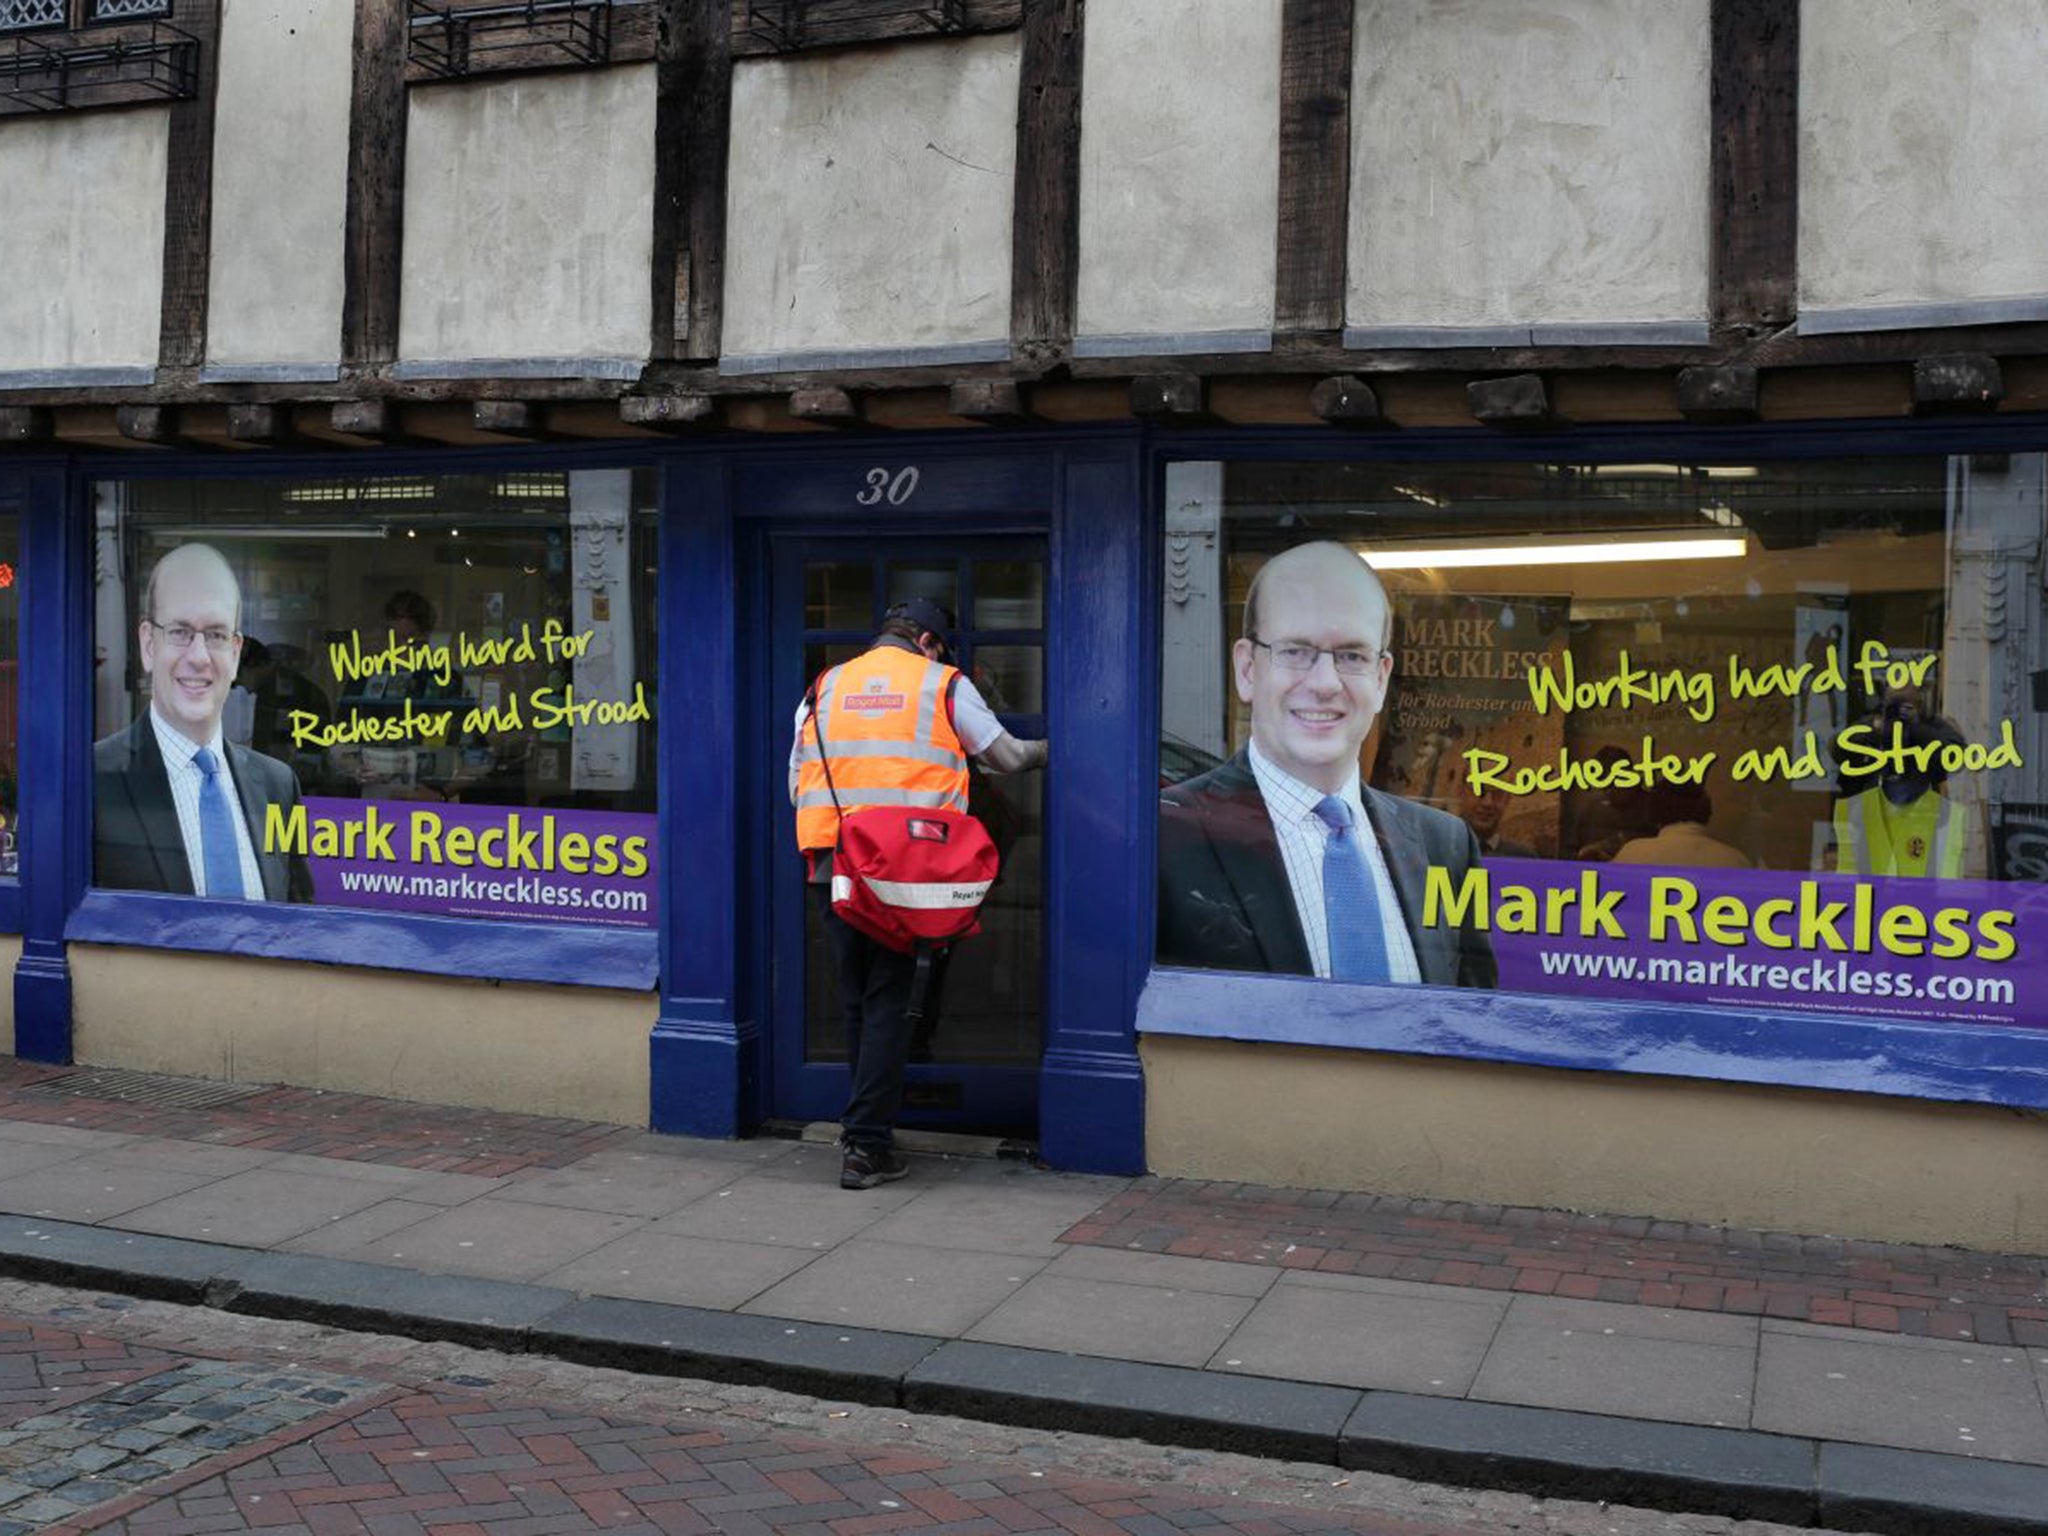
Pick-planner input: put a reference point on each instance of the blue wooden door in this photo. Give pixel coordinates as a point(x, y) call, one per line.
point(976, 1067)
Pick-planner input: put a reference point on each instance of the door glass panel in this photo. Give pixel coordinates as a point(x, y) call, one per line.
point(1009, 594)
point(1011, 678)
point(940, 583)
point(986, 1012)
point(839, 594)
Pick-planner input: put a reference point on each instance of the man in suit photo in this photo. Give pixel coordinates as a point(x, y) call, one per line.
point(1281, 859)
point(176, 806)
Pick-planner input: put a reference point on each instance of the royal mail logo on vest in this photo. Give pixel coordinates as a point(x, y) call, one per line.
point(874, 699)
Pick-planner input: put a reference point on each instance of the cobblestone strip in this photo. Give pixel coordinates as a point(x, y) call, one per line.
point(92, 1452)
point(43, 1368)
point(1884, 1287)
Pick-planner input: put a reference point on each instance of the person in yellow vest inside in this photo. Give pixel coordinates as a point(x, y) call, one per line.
point(1877, 835)
point(900, 725)
point(1904, 824)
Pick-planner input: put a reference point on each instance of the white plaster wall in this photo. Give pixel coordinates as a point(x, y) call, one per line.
point(1180, 166)
point(1921, 129)
point(529, 217)
point(1517, 162)
point(870, 198)
point(280, 182)
point(82, 239)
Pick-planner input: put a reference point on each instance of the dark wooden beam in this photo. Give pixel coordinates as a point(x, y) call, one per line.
point(1045, 234)
point(372, 225)
point(1180, 399)
point(378, 420)
point(669, 413)
point(262, 426)
point(1346, 401)
point(1519, 400)
point(1959, 381)
point(188, 200)
point(1718, 394)
point(992, 402)
point(826, 407)
point(24, 424)
point(1314, 227)
point(509, 418)
point(692, 131)
point(157, 424)
point(1754, 162)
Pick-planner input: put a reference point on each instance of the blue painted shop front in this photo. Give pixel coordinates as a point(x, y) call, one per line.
point(744, 535)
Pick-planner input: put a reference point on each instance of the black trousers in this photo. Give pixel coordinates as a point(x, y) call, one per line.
point(874, 995)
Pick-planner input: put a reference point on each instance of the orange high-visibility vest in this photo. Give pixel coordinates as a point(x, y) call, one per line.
point(890, 738)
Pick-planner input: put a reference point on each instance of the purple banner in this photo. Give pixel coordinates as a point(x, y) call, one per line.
point(1924, 949)
point(514, 862)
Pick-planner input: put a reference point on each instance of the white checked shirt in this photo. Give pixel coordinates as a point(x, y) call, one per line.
point(1303, 839)
point(186, 779)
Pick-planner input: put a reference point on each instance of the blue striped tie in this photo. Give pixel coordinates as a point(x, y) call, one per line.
point(220, 858)
point(1351, 905)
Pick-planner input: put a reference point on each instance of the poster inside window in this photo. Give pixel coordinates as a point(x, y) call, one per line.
point(431, 694)
point(1766, 735)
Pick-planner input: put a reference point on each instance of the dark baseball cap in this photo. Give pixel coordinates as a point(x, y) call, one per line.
point(927, 615)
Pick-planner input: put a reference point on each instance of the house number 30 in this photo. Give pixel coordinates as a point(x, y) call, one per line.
point(895, 487)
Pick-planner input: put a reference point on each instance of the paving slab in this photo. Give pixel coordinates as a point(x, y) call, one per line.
point(690, 1271)
point(1123, 1267)
point(1127, 1322)
point(257, 1208)
point(1915, 1493)
point(623, 1183)
point(1413, 1338)
point(20, 1157)
point(498, 1239)
point(854, 1364)
point(901, 1287)
point(765, 1208)
point(341, 1236)
point(210, 1158)
point(1013, 1211)
point(94, 1188)
point(1738, 1473)
point(1150, 1402)
point(1639, 1362)
point(1968, 1399)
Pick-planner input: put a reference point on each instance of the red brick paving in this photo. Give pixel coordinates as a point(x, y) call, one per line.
point(1950, 1293)
point(356, 1127)
point(441, 1463)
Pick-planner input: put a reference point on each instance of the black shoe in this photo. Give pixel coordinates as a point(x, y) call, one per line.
point(865, 1167)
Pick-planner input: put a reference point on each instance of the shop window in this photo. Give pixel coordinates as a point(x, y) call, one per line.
point(1762, 736)
point(428, 694)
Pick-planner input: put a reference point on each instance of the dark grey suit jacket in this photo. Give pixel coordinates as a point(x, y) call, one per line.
point(1224, 900)
point(136, 845)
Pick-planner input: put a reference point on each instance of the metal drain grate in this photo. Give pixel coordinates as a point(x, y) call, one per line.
point(147, 1088)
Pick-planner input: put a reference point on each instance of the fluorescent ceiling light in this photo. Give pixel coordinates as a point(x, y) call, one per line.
point(1541, 551)
point(295, 531)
